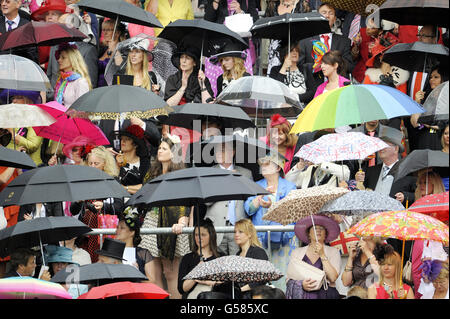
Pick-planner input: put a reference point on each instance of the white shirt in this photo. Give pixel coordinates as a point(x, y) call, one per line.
point(16, 21)
point(330, 40)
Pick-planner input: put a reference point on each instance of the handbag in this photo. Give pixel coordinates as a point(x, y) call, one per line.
point(407, 270)
point(300, 270)
point(239, 23)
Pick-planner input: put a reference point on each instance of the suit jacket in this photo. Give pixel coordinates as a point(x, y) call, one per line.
point(29, 53)
point(90, 56)
point(218, 211)
point(338, 42)
point(406, 185)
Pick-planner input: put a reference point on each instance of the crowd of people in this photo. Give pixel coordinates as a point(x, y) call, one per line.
point(140, 150)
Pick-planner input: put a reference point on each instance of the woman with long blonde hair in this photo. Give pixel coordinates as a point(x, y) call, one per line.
point(428, 182)
point(73, 80)
point(104, 160)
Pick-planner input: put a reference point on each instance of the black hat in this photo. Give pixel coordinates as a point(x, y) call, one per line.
point(191, 51)
point(137, 134)
point(112, 248)
point(229, 49)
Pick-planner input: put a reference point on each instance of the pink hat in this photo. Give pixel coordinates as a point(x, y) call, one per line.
point(77, 141)
point(277, 119)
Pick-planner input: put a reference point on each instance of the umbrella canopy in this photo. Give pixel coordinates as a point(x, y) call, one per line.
point(416, 56)
point(420, 159)
point(261, 96)
point(24, 115)
point(38, 33)
point(361, 7)
point(31, 288)
point(98, 274)
point(122, 10)
point(60, 183)
point(126, 290)
point(66, 128)
point(184, 116)
point(109, 101)
point(196, 185)
point(415, 12)
point(354, 104)
point(436, 105)
point(199, 33)
point(435, 205)
point(235, 269)
point(44, 230)
point(291, 26)
point(301, 203)
point(13, 158)
point(404, 225)
point(340, 147)
point(361, 204)
point(18, 73)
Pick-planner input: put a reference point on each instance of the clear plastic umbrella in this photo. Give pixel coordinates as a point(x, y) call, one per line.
point(436, 105)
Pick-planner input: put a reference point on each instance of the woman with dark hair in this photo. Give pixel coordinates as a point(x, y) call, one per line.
point(206, 234)
point(128, 231)
point(297, 77)
point(333, 67)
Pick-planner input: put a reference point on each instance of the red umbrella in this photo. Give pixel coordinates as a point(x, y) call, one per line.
point(66, 128)
point(39, 33)
point(435, 205)
point(126, 290)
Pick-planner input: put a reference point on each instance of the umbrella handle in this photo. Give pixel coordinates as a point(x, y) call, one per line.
point(314, 227)
point(401, 265)
point(42, 250)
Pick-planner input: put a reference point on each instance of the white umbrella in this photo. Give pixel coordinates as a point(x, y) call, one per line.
point(24, 115)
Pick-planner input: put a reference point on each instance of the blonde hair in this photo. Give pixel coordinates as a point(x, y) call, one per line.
point(111, 167)
point(78, 64)
point(434, 179)
point(392, 258)
point(443, 274)
point(238, 67)
point(146, 81)
point(246, 226)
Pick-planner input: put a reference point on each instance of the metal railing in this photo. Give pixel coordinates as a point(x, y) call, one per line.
point(190, 230)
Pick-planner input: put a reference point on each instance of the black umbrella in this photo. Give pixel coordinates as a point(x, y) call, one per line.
point(38, 231)
point(60, 183)
point(291, 26)
point(420, 159)
point(185, 115)
point(120, 10)
point(415, 12)
point(201, 34)
point(110, 101)
point(416, 56)
point(12, 158)
point(195, 186)
point(98, 274)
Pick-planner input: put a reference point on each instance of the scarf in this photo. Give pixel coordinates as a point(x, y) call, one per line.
point(61, 84)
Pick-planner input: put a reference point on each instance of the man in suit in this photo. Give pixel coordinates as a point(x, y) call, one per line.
point(381, 177)
point(333, 40)
point(10, 20)
point(227, 213)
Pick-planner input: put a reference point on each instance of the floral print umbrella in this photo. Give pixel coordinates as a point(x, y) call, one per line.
point(403, 224)
point(235, 269)
point(301, 203)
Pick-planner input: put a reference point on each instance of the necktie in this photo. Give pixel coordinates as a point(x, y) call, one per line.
point(354, 27)
point(326, 39)
point(10, 23)
point(385, 171)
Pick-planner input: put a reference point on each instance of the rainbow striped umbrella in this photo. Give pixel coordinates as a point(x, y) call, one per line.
point(354, 104)
point(31, 288)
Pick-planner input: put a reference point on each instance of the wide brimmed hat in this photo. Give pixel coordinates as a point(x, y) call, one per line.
point(112, 248)
point(58, 254)
point(136, 133)
point(193, 52)
point(34, 96)
point(392, 135)
point(77, 141)
point(140, 44)
point(376, 51)
point(47, 5)
point(302, 226)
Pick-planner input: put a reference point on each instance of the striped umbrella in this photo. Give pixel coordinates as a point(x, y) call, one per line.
point(31, 288)
point(354, 104)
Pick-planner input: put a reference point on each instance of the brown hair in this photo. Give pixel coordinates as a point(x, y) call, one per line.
point(333, 57)
point(285, 127)
point(156, 166)
point(238, 67)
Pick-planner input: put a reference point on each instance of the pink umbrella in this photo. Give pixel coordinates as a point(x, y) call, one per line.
point(66, 128)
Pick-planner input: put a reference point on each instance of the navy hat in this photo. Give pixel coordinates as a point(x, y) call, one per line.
point(34, 96)
point(229, 49)
point(193, 52)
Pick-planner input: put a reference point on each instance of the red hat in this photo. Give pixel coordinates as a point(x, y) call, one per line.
point(376, 51)
point(47, 5)
point(277, 119)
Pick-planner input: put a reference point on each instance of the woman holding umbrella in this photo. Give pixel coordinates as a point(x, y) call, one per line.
point(167, 249)
point(73, 80)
